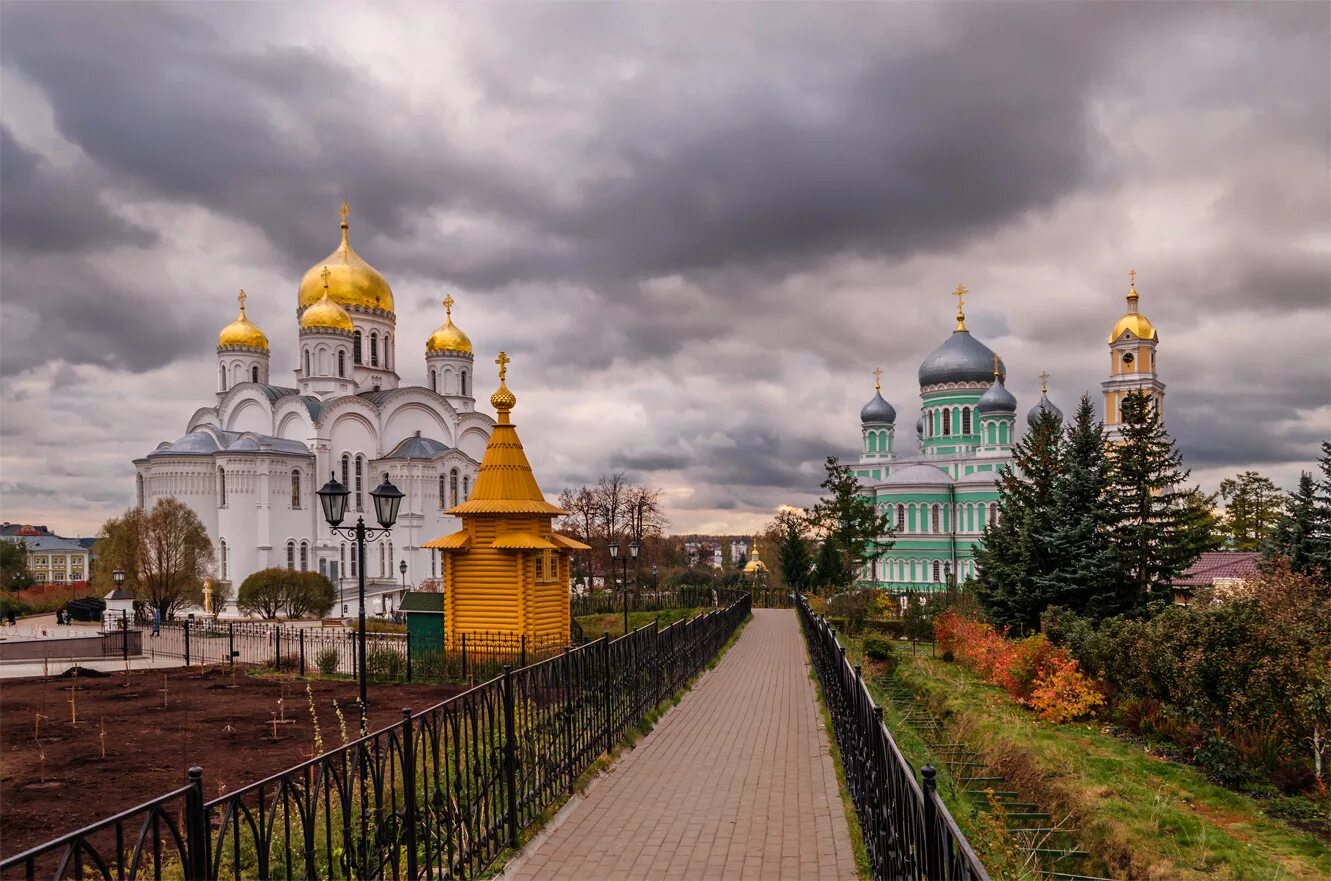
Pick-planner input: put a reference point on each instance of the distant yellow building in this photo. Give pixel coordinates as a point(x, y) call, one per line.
point(755, 566)
point(1132, 363)
point(506, 570)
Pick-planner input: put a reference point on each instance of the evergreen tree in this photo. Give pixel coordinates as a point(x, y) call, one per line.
point(851, 525)
point(1253, 509)
point(1303, 534)
point(1083, 575)
point(830, 573)
point(1158, 528)
point(1016, 560)
point(793, 557)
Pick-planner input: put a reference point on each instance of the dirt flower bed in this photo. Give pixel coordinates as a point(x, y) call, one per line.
point(55, 779)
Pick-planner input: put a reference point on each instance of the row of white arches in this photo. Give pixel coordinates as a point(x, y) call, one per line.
point(296, 486)
point(918, 571)
point(922, 518)
point(237, 373)
point(441, 382)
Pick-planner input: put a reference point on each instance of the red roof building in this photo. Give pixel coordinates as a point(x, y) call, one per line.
point(1217, 569)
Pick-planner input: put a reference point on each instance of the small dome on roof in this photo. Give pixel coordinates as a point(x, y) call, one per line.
point(878, 410)
point(997, 399)
point(918, 474)
point(1043, 404)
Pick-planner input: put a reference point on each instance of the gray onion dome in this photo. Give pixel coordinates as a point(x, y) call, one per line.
point(1043, 404)
point(878, 411)
point(997, 399)
point(961, 358)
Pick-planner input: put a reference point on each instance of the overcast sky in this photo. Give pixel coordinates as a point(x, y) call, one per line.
point(696, 229)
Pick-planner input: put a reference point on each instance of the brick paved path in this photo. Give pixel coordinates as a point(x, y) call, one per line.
point(736, 782)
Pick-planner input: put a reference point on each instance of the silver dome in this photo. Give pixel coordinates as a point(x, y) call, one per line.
point(961, 358)
point(1043, 404)
point(997, 400)
point(878, 411)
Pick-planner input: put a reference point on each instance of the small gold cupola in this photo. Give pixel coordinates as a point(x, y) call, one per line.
point(242, 333)
point(1138, 324)
point(449, 337)
point(353, 282)
point(326, 313)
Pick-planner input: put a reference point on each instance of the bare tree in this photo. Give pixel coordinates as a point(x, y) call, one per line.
point(165, 553)
point(583, 518)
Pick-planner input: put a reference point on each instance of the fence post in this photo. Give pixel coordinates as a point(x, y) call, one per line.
point(656, 658)
point(605, 684)
point(932, 845)
point(510, 759)
point(566, 665)
point(186, 642)
point(196, 828)
point(409, 660)
point(124, 627)
point(231, 641)
point(523, 655)
point(409, 775)
point(464, 657)
point(302, 651)
point(277, 648)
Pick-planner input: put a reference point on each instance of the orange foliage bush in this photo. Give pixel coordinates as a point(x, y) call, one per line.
point(1034, 671)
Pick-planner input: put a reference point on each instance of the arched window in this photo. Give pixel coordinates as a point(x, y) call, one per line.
point(342, 560)
point(433, 565)
point(342, 362)
point(381, 559)
point(464, 383)
point(353, 572)
point(387, 353)
point(304, 556)
point(390, 559)
point(947, 421)
point(434, 380)
point(453, 486)
point(307, 362)
point(993, 514)
point(935, 519)
point(374, 350)
point(360, 474)
point(937, 567)
point(291, 555)
point(355, 348)
point(965, 420)
point(139, 486)
point(901, 517)
point(346, 469)
point(466, 487)
point(947, 571)
point(254, 373)
point(295, 490)
point(443, 492)
point(221, 487)
point(221, 375)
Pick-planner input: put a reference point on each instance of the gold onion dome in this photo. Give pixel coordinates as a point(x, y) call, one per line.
point(353, 283)
point(1132, 320)
point(242, 332)
point(326, 313)
point(449, 337)
point(503, 400)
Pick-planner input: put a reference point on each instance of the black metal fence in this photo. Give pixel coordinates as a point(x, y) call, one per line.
point(611, 602)
point(908, 831)
point(438, 795)
point(330, 651)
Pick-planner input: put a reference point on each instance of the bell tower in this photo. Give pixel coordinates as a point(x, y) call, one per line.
point(1133, 364)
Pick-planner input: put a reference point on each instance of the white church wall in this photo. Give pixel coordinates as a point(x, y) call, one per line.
point(247, 414)
point(473, 441)
point(354, 432)
point(408, 417)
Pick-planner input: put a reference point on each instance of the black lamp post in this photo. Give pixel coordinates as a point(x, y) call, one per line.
point(402, 567)
point(387, 499)
point(614, 552)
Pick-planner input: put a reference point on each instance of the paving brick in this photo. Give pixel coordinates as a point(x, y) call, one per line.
point(735, 782)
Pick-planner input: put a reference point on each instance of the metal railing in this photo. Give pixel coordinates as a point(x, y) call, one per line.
point(392, 657)
point(438, 795)
point(611, 602)
point(908, 831)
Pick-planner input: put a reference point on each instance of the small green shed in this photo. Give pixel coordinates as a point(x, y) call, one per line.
point(425, 621)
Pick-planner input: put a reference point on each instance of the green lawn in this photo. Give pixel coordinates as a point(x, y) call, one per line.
point(1140, 816)
point(594, 625)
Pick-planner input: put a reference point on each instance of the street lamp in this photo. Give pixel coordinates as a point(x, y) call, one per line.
point(402, 567)
point(387, 499)
point(118, 576)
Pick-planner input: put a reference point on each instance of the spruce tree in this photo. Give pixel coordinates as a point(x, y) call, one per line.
point(1015, 559)
point(1253, 508)
point(1303, 534)
point(1084, 575)
point(1157, 526)
point(851, 524)
point(793, 556)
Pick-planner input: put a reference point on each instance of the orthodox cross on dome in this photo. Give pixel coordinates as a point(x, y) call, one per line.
point(325, 275)
point(502, 361)
point(448, 306)
point(960, 293)
point(1044, 382)
point(1132, 288)
point(344, 212)
point(995, 365)
point(241, 298)
point(877, 378)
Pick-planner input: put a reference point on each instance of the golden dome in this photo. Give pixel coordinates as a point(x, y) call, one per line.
point(1132, 320)
point(326, 312)
point(754, 564)
point(448, 338)
point(503, 400)
point(353, 283)
point(242, 332)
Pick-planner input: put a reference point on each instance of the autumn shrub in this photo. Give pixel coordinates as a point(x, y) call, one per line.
point(1062, 693)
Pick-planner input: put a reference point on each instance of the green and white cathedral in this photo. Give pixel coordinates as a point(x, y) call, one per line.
point(940, 498)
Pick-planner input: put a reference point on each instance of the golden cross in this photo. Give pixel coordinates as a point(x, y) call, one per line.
point(448, 305)
point(995, 365)
point(1044, 381)
point(325, 275)
point(1132, 278)
point(960, 293)
point(344, 212)
point(502, 361)
point(241, 298)
point(877, 377)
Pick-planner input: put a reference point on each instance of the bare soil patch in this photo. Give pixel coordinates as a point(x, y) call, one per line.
point(54, 778)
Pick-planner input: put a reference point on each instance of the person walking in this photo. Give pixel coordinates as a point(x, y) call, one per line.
point(157, 622)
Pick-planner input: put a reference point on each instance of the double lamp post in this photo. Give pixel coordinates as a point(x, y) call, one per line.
point(634, 547)
point(387, 499)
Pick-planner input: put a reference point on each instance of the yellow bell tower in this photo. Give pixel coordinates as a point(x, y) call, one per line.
point(1133, 364)
point(506, 571)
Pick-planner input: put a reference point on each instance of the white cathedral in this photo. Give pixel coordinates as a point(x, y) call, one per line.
point(250, 464)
